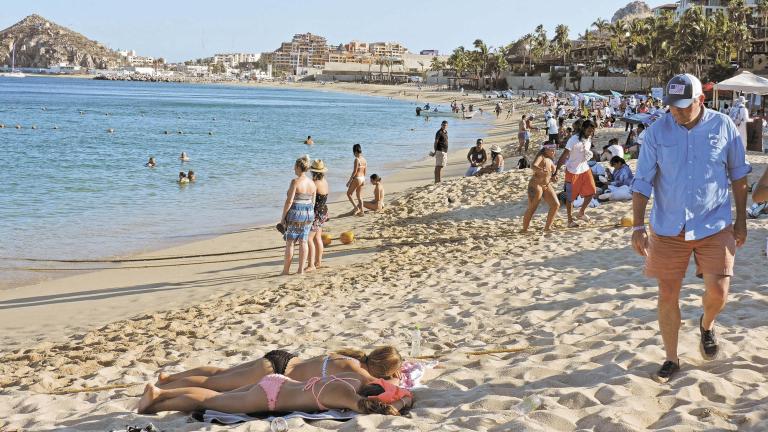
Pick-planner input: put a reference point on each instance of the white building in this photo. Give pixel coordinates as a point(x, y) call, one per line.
point(709, 7)
point(234, 59)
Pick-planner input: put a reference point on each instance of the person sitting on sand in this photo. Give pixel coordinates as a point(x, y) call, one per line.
point(378, 194)
point(151, 163)
point(191, 176)
point(540, 186)
point(357, 180)
point(298, 214)
point(497, 162)
point(184, 157)
point(279, 393)
point(618, 188)
point(183, 179)
point(309, 140)
point(383, 362)
point(613, 149)
point(477, 156)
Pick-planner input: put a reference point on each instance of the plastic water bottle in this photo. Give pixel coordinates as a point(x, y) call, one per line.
point(528, 404)
point(416, 342)
point(278, 424)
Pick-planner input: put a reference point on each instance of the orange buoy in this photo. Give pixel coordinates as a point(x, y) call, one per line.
point(347, 237)
point(627, 221)
point(327, 239)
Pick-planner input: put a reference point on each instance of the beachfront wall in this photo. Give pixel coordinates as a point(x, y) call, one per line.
point(588, 83)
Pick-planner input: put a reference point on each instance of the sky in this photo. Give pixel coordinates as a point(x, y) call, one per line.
point(183, 30)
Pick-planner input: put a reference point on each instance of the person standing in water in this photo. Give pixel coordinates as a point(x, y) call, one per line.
point(357, 180)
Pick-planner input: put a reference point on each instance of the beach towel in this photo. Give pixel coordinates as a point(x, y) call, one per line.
point(217, 417)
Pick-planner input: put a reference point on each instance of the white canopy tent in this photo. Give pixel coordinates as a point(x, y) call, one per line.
point(745, 82)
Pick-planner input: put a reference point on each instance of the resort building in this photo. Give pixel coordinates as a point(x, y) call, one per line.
point(665, 8)
point(303, 51)
point(234, 59)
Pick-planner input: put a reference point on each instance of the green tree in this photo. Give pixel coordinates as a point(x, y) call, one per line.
point(436, 64)
point(556, 78)
point(561, 43)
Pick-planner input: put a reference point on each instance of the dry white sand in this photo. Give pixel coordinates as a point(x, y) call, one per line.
point(445, 257)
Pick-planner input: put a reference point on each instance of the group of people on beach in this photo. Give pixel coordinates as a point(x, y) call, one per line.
point(305, 210)
point(282, 382)
point(691, 177)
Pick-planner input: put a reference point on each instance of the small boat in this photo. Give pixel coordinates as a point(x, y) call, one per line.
point(13, 73)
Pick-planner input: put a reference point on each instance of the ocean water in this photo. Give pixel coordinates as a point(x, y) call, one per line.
point(69, 189)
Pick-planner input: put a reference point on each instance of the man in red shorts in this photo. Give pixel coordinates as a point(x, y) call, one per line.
point(691, 159)
point(578, 176)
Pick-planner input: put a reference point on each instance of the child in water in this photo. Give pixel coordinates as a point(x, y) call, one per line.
point(191, 176)
point(151, 163)
point(183, 178)
point(378, 194)
point(540, 186)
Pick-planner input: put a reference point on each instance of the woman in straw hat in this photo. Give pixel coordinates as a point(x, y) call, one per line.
point(316, 247)
point(497, 162)
point(298, 214)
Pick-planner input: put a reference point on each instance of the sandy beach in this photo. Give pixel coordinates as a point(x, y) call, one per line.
point(570, 312)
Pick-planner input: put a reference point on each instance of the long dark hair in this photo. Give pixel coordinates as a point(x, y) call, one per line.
point(586, 124)
point(357, 149)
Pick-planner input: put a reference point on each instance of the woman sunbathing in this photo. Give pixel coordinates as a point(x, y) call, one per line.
point(278, 393)
point(382, 362)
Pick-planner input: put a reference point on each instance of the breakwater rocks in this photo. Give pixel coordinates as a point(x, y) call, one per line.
point(162, 78)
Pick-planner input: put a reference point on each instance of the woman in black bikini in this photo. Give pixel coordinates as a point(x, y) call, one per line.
point(315, 242)
point(382, 362)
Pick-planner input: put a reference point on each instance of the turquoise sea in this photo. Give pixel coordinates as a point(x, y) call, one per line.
point(70, 189)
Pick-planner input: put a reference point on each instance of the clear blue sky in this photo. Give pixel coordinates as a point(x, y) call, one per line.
point(182, 30)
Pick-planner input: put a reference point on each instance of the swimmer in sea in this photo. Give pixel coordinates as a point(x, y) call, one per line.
point(183, 178)
point(184, 157)
point(540, 186)
point(309, 140)
point(191, 176)
point(151, 163)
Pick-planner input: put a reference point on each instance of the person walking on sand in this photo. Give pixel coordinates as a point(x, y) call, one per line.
point(688, 160)
point(298, 214)
point(315, 242)
point(357, 180)
point(578, 176)
point(540, 186)
point(440, 151)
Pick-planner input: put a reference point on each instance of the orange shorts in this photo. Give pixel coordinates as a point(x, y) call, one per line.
point(668, 256)
point(579, 184)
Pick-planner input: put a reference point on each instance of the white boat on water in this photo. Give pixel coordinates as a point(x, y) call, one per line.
point(13, 73)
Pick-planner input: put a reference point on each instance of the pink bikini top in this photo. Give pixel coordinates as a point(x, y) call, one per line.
point(314, 380)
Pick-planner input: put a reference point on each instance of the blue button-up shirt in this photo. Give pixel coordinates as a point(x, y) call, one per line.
point(689, 172)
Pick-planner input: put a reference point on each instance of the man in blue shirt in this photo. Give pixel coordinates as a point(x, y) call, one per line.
point(691, 159)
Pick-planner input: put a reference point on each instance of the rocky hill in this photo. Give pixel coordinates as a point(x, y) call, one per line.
point(42, 43)
point(632, 11)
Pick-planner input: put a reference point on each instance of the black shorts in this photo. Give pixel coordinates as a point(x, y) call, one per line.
point(553, 138)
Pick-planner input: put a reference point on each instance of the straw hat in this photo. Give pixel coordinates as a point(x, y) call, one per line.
point(495, 149)
point(318, 166)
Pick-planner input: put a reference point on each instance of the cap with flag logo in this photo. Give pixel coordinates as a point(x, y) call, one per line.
point(682, 90)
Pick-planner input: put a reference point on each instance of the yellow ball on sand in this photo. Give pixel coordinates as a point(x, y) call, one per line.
point(327, 239)
point(627, 221)
point(347, 237)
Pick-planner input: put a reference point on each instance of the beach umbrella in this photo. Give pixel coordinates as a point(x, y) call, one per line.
point(616, 94)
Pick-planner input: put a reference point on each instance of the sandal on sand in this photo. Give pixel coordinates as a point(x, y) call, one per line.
point(584, 217)
point(573, 225)
point(666, 371)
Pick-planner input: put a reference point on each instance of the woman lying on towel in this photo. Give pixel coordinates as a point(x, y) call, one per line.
point(382, 362)
point(279, 393)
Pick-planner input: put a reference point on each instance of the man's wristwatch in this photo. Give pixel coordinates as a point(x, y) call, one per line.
point(638, 228)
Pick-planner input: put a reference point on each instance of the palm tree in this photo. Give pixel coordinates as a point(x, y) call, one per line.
point(540, 42)
point(458, 60)
point(601, 25)
point(436, 64)
point(482, 54)
point(738, 14)
point(561, 43)
point(762, 10)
